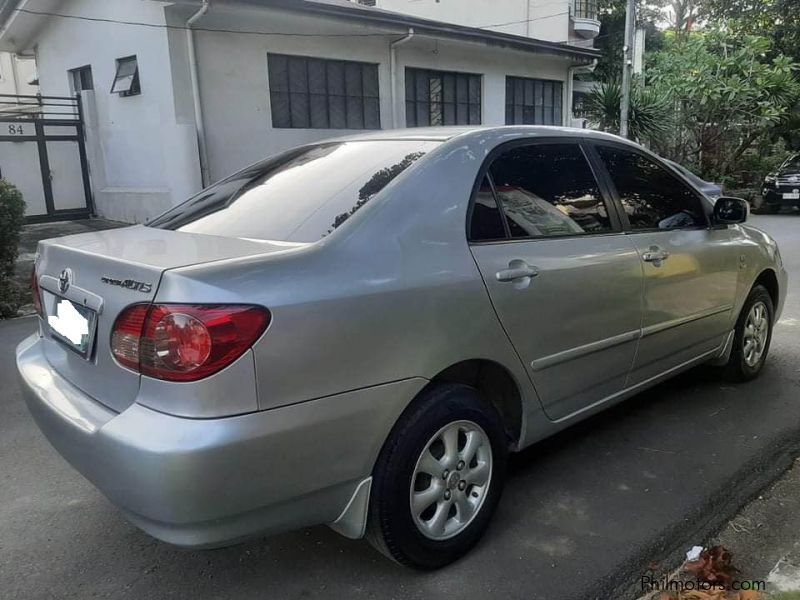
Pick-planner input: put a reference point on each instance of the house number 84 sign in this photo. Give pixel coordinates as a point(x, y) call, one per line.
point(17, 129)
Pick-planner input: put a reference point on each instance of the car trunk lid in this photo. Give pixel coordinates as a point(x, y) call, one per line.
point(100, 273)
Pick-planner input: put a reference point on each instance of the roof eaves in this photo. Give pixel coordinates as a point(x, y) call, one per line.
point(358, 12)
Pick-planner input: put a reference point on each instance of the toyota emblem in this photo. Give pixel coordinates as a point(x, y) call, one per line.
point(64, 280)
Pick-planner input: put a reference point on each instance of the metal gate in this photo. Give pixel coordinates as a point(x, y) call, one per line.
point(43, 153)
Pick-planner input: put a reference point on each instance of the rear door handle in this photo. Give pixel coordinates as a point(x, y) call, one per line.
point(518, 271)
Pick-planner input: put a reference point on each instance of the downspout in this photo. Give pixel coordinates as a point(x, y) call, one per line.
point(6, 18)
point(573, 69)
point(393, 71)
point(15, 74)
point(198, 107)
point(528, 19)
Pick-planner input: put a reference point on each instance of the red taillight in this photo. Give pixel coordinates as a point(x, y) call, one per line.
point(37, 295)
point(185, 342)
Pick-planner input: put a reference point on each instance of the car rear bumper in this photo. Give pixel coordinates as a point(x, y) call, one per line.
point(209, 482)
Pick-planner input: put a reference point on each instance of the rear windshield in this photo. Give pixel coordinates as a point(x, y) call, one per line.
point(299, 196)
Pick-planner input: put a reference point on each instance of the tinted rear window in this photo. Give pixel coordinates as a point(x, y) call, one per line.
point(299, 196)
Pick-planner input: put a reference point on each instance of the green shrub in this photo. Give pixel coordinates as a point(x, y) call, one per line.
point(10, 297)
point(647, 117)
point(750, 194)
point(12, 217)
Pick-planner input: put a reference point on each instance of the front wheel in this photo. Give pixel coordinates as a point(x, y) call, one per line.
point(752, 336)
point(438, 478)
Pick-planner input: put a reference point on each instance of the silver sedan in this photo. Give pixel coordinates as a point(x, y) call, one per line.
point(357, 332)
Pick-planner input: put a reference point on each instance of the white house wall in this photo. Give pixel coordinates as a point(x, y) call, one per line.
point(15, 73)
point(235, 90)
point(234, 82)
point(143, 149)
point(492, 63)
point(137, 150)
point(540, 19)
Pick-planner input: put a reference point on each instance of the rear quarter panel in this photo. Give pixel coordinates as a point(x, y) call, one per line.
point(394, 294)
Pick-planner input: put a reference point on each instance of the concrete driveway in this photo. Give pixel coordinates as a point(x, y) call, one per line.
point(582, 517)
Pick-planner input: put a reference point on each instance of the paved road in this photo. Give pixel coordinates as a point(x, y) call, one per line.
point(583, 514)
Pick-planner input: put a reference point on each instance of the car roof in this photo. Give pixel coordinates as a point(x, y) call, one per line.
point(475, 131)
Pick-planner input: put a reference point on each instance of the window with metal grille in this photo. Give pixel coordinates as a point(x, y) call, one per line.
point(533, 101)
point(81, 79)
point(442, 98)
point(317, 93)
point(586, 9)
point(126, 79)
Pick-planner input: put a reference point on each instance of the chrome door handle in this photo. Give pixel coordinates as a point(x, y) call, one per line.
point(655, 255)
point(517, 270)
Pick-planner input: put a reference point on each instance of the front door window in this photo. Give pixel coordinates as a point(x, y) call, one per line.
point(651, 197)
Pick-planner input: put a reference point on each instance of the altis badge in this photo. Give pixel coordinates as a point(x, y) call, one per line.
point(128, 284)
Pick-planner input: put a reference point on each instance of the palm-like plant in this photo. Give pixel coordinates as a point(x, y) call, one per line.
point(648, 115)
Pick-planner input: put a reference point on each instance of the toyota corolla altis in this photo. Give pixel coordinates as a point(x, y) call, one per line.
point(357, 332)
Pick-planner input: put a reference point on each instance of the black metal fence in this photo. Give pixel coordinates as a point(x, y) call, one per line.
point(55, 125)
point(49, 108)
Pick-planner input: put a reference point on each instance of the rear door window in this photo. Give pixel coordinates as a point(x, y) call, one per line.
point(300, 196)
point(486, 222)
point(549, 190)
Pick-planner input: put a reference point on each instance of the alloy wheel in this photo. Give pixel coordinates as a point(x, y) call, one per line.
point(756, 333)
point(451, 480)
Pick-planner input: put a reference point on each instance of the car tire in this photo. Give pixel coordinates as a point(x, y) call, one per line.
point(752, 336)
point(453, 505)
point(772, 209)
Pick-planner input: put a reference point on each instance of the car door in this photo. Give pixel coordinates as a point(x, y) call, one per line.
point(690, 268)
point(565, 281)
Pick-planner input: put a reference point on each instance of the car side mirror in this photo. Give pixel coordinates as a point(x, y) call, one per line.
point(729, 211)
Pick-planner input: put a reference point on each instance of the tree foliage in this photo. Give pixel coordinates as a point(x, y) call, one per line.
point(611, 39)
point(725, 92)
point(778, 20)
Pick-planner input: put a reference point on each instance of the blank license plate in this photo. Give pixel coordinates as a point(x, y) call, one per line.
point(71, 324)
point(795, 195)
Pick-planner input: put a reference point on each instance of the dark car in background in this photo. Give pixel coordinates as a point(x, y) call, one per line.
point(709, 188)
point(782, 187)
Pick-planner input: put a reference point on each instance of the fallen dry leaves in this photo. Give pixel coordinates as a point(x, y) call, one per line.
point(711, 595)
point(715, 568)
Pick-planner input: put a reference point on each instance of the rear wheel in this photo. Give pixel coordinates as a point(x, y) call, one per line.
point(438, 479)
point(752, 336)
